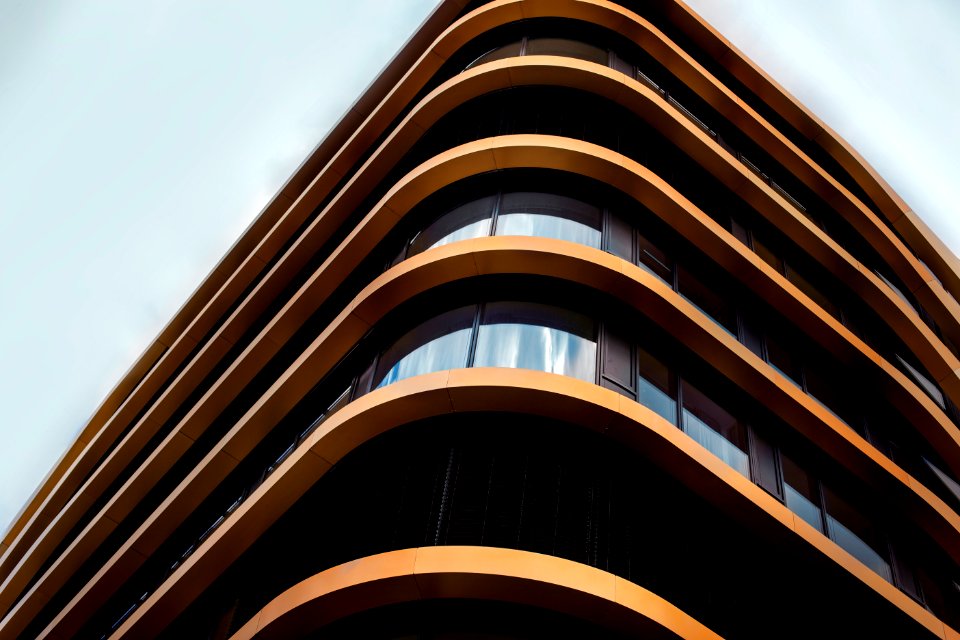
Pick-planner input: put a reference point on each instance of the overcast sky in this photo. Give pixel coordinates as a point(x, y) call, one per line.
point(138, 139)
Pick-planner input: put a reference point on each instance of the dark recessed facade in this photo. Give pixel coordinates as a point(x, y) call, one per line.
point(576, 325)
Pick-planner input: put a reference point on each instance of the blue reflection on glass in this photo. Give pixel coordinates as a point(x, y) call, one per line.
point(547, 226)
point(445, 352)
point(716, 443)
point(653, 398)
point(524, 346)
point(800, 505)
point(859, 549)
point(476, 229)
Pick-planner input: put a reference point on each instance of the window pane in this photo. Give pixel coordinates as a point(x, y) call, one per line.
point(707, 299)
point(620, 238)
point(656, 386)
point(765, 457)
point(655, 260)
point(717, 430)
point(568, 48)
point(825, 390)
point(528, 335)
point(813, 293)
point(507, 51)
point(739, 232)
point(923, 381)
point(781, 357)
point(617, 360)
point(437, 344)
point(549, 216)
point(852, 531)
point(952, 485)
point(471, 220)
point(767, 255)
point(802, 493)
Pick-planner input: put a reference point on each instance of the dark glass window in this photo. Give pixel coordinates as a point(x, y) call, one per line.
point(824, 389)
point(567, 48)
point(511, 50)
point(802, 493)
point(657, 386)
point(923, 381)
point(620, 237)
point(654, 259)
point(782, 358)
point(767, 255)
point(716, 429)
point(857, 535)
point(707, 299)
point(813, 293)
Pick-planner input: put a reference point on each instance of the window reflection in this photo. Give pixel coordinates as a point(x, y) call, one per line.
point(438, 344)
point(657, 387)
point(542, 337)
point(802, 493)
point(549, 216)
point(849, 529)
point(522, 335)
point(471, 220)
point(535, 336)
point(714, 428)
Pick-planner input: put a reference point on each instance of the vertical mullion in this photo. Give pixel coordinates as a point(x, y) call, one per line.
point(475, 329)
point(495, 214)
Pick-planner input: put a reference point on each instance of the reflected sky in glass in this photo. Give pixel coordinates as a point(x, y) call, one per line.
point(800, 505)
point(545, 226)
point(524, 346)
point(476, 229)
point(716, 443)
point(445, 352)
point(859, 549)
point(653, 398)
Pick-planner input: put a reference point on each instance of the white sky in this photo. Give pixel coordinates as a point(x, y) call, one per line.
point(137, 140)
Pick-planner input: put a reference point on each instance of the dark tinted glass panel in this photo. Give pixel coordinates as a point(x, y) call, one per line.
point(437, 344)
point(781, 356)
point(657, 386)
point(826, 391)
point(751, 335)
point(739, 232)
point(528, 335)
point(802, 493)
point(906, 577)
point(852, 531)
point(617, 358)
point(565, 47)
point(765, 464)
point(716, 429)
point(923, 381)
point(767, 254)
point(620, 237)
point(549, 216)
point(471, 220)
point(621, 65)
point(511, 50)
point(813, 293)
point(654, 260)
point(707, 299)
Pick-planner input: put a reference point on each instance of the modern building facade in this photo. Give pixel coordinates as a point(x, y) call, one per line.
point(576, 325)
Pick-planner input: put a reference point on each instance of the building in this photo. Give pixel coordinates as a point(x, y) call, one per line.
point(576, 325)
